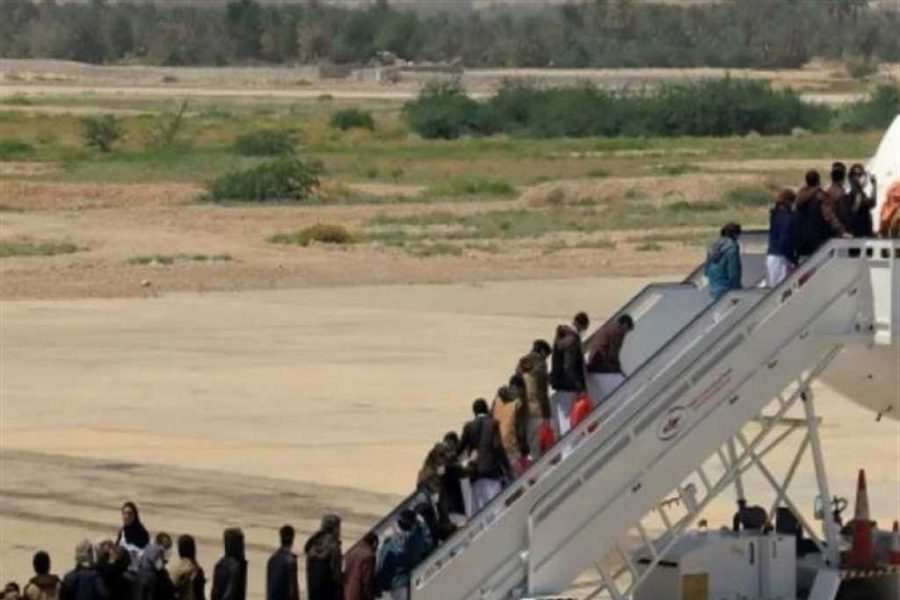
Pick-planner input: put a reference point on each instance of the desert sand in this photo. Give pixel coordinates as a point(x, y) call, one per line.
point(260, 407)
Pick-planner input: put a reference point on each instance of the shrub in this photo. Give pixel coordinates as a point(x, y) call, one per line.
point(265, 142)
point(12, 148)
point(283, 179)
point(860, 67)
point(708, 108)
point(444, 111)
point(352, 118)
point(101, 132)
point(168, 127)
point(322, 233)
point(876, 112)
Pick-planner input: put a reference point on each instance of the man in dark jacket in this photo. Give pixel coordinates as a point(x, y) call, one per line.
point(782, 253)
point(836, 206)
point(230, 573)
point(281, 570)
point(488, 465)
point(83, 583)
point(568, 375)
point(359, 571)
point(323, 561)
point(533, 369)
point(812, 230)
point(604, 363)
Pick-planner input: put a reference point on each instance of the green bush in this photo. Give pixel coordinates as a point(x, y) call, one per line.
point(265, 142)
point(101, 132)
point(283, 179)
point(876, 112)
point(352, 118)
point(444, 111)
point(13, 148)
point(322, 233)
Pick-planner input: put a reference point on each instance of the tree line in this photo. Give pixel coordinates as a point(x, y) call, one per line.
point(724, 107)
point(595, 33)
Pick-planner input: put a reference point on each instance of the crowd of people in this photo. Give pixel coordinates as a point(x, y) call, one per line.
point(463, 472)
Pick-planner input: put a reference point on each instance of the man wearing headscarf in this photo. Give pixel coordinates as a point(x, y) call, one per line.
point(323, 561)
point(83, 582)
point(230, 574)
point(152, 581)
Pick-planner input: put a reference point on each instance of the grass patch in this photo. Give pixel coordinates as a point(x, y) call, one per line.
point(703, 206)
point(679, 169)
point(170, 259)
point(534, 223)
point(471, 186)
point(13, 148)
point(27, 247)
point(688, 238)
point(649, 247)
point(748, 196)
point(320, 233)
point(598, 173)
point(434, 249)
point(17, 100)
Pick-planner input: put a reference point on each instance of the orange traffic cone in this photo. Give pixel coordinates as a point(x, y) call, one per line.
point(862, 552)
point(894, 555)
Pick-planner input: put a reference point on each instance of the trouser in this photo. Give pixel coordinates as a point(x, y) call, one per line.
point(400, 593)
point(562, 406)
point(532, 433)
point(777, 269)
point(483, 491)
point(604, 384)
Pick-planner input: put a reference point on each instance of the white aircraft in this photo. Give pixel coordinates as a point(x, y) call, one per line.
point(870, 374)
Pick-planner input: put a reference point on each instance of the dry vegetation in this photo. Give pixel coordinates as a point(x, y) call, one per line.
point(414, 210)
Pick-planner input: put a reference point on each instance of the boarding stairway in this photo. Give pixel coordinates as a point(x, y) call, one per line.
point(701, 372)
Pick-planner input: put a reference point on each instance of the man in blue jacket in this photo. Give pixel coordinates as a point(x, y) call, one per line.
point(723, 262)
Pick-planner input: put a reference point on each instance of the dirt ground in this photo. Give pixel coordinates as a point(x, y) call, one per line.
point(114, 224)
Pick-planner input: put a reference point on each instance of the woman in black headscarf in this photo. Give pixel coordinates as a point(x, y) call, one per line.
point(133, 533)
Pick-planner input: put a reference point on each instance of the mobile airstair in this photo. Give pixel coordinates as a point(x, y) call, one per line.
point(603, 501)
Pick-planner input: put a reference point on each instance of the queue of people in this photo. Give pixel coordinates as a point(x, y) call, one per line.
point(137, 566)
point(802, 221)
point(464, 472)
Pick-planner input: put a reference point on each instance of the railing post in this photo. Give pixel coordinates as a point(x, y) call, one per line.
point(815, 444)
